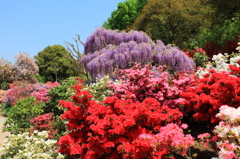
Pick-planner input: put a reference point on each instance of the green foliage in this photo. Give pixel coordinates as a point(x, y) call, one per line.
point(173, 21)
point(219, 35)
point(52, 63)
point(62, 92)
point(19, 115)
point(125, 14)
point(41, 79)
point(200, 59)
point(99, 89)
point(5, 108)
point(4, 85)
point(224, 9)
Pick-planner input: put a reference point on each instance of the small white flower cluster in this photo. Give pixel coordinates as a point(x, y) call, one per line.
point(202, 71)
point(234, 61)
point(99, 89)
point(220, 61)
point(35, 146)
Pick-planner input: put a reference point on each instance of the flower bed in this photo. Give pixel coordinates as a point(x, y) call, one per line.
point(145, 111)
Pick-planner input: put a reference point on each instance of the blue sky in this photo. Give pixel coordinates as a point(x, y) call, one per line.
point(31, 25)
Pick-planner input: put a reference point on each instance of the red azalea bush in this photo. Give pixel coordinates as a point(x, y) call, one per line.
point(229, 47)
point(210, 93)
point(109, 129)
point(21, 90)
point(235, 70)
point(140, 83)
point(17, 84)
point(44, 122)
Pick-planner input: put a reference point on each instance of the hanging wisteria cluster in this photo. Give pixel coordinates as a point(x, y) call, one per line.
point(102, 37)
point(106, 51)
point(111, 58)
point(172, 57)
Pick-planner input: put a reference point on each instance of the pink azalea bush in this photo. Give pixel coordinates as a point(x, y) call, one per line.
point(44, 122)
point(41, 92)
point(170, 139)
point(228, 132)
point(139, 83)
point(23, 90)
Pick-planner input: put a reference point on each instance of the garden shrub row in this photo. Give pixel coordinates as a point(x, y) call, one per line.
point(146, 110)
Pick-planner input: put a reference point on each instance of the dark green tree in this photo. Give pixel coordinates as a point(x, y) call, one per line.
point(225, 10)
point(173, 21)
point(53, 64)
point(125, 14)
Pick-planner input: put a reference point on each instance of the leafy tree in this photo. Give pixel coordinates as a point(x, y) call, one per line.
point(51, 63)
point(26, 68)
point(173, 21)
point(225, 9)
point(7, 73)
point(125, 14)
point(221, 34)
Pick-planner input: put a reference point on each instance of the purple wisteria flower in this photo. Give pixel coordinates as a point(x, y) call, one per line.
point(102, 37)
point(106, 51)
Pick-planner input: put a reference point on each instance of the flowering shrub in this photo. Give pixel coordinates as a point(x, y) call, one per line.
point(42, 90)
point(44, 122)
point(61, 92)
point(18, 92)
point(36, 145)
point(199, 56)
point(210, 93)
point(172, 57)
point(102, 37)
point(106, 51)
point(22, 90)
point(170, 139)
point(225, 138)
point(17, 84)
point(20, 114)
point(229, 47)
point(139, 83)
point(235, 70)
point(101, 130)
point(40, 94)
point(99, 89)
point(222, 62)
point(228, 132)
point(206, 141)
